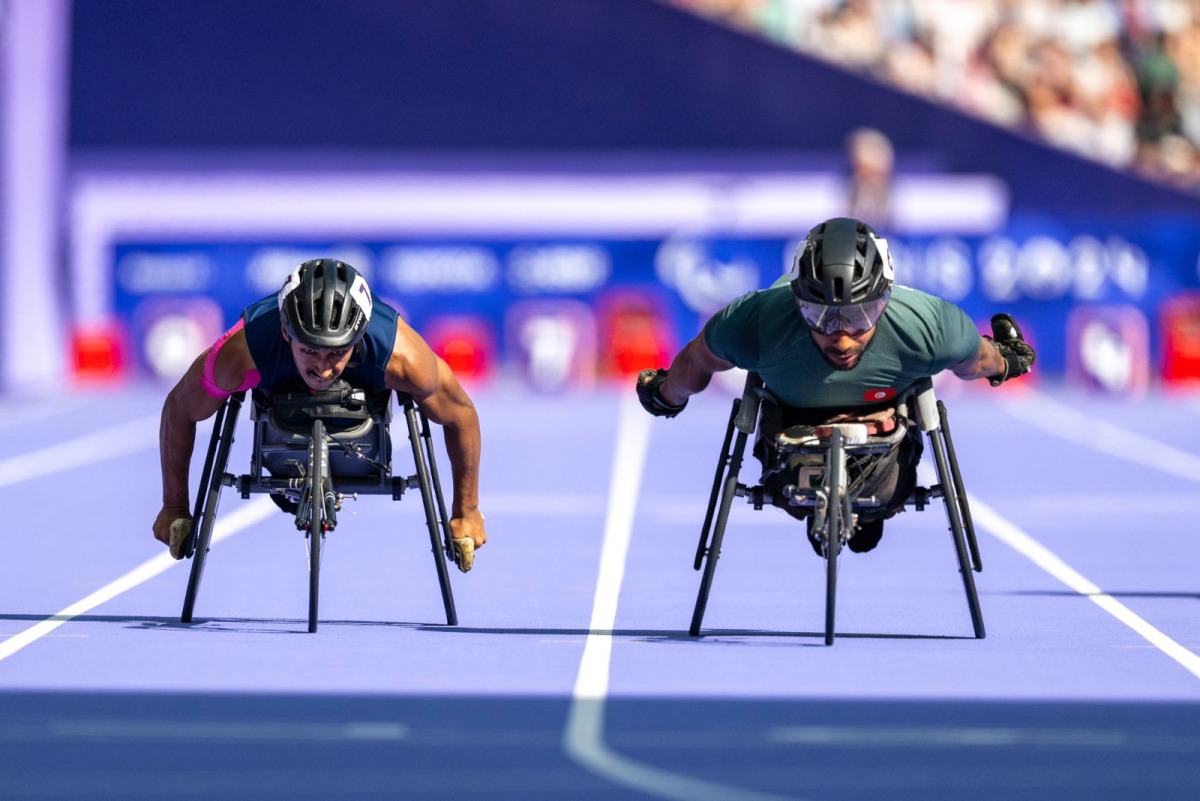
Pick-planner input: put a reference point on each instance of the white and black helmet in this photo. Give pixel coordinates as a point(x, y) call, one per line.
point(325, 303)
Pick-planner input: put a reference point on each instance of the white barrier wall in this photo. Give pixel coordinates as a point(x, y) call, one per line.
point(33, 140)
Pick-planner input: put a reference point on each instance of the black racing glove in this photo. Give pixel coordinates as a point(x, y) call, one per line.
point(649, 384)
point(1018, 354)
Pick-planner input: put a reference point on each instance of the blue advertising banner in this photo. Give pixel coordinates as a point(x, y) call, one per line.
point(560, 310)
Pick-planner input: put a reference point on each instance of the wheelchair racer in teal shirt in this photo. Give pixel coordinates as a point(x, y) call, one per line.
point(322, 326)
point(837, 337)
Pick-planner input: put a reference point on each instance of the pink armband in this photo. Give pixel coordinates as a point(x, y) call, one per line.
point(207, 376)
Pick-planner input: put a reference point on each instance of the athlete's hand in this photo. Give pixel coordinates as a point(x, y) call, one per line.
point(649, 390)
point(172, 527)
point(466, 534)
point(1018, 354)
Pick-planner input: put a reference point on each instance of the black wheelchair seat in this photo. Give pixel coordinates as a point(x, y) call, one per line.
point(356, 424)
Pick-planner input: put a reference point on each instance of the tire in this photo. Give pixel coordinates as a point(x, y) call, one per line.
point(318, 470)
point(433, 503)
point(718, 535)
point(835, 487)
point(204, 527)
point(208, 498)
point(958, 534)
point(960, 491)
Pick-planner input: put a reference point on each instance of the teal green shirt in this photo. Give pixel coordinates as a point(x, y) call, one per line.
point(918, 336)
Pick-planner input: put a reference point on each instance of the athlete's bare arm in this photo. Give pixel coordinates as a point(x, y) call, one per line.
point(986, 362)
point(186, 404)
point(691, 371)
point(416, 370)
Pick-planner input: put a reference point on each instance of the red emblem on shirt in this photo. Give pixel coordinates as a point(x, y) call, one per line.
point(876, 395)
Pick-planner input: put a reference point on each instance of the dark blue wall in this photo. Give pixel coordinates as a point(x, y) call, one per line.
point(519, 76)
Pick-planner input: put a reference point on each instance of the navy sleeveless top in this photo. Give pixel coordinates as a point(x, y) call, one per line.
point(273, 356)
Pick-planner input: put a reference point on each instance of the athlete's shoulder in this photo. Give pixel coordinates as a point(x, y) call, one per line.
point(921, 304)
point(263, 307)
point(913, 296)
point(740, 313)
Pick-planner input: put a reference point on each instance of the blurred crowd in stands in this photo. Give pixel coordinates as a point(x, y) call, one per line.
point(1113, 80)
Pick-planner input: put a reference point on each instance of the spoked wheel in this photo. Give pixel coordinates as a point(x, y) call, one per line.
point(960, 491)
point(718, 482)
point(835, 487)
point(204, 516)
point(203, 526)
point(713, 551)
point(318, 473)
point(437, 521)
point(958, 531)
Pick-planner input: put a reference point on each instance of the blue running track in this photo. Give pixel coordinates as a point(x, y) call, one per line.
point(571, 674)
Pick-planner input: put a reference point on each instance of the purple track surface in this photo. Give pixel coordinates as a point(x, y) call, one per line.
point(1087, 685)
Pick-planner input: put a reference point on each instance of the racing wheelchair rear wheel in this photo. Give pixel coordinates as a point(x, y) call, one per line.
point(204, 516)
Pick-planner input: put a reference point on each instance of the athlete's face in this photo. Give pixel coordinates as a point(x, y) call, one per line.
point(319, 367)
point(843, 350)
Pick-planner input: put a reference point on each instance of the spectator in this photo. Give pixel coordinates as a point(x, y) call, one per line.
point(1109, 79)
point(871, 158)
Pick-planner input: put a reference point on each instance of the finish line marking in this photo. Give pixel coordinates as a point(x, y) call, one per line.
point(583, 737)
point(244, 517)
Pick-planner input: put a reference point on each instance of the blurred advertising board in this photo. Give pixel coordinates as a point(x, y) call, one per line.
point(566, 312)
point(564, 283)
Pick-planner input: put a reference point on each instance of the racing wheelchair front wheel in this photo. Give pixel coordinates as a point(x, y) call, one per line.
point(836, 519)
point(318, 497)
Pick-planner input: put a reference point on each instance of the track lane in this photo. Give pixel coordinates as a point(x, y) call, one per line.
point(755, 704)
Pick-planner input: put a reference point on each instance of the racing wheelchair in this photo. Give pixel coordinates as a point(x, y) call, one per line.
point(310, 451)
point(825, 489)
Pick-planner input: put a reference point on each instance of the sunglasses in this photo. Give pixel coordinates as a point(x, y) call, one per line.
point(854, 319)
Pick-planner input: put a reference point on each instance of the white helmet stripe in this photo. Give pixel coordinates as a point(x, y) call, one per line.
point(361, 295)
point(290, 285)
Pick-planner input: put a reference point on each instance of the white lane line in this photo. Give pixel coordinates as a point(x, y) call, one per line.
point(1044, 558)
point(244, 517)
point(107, 444)
point(545, 504)
point(159, 730)
point(1074, 426)
point(583, 737)
point(913, 737)
point(17, 414)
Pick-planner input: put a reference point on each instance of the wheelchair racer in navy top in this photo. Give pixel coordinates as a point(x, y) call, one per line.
point(323, 325)
point(836, 340)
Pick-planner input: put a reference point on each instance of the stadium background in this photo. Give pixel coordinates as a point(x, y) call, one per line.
point(581, 180)
point(557, 193)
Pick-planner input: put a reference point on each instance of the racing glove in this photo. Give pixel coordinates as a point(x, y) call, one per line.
point(649, 390)
point(1018, 354)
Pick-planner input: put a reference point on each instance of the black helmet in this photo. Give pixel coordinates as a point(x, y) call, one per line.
point(842, 276)
point(325, 303)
